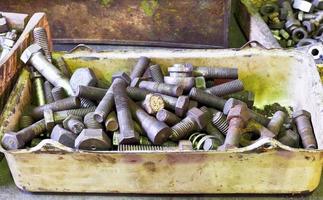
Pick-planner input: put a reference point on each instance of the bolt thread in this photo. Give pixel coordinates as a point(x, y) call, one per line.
point(105, 106)
point(217, 72)
point(25, 121)
point(58, 93)
point(168, 89)
point(123, 147)
point(61, 115)
point(86, 103)
point(40, 38)
point(90, 122)
point(32, 131)
point(140, 67)
point(48, 92)
point(220, 122)
point(182, 129)
point(156, 73)
point(207, 99)
point(92, 93)
point(289, 138)
point(137, 94)
point(39, 90)
point(168, 117)
point(226, 88)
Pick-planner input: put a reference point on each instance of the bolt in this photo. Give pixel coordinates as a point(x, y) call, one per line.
point(289, 138)
point(200, 82)
point(183, 145)
point(40, 38)
point(90, 122)
point(140, 67)
point(33, 55)
point(226, 88)
point(185, 82)
point(91, 93)
point(3, 24)
point(219, 120)
point(111, 123)
point(172, 90)
point(63, 104)
point(182, 105)
point(304, 128)
point(74, 124)
point(63, 136)
point(58, 93)
point(210, 128)
point(81, 112)
point(105, 106)
point(153, 103)
point(25, 121)
point(156, 73)
point(195, 119)
point(83, 76)
point(168, 117)
point(216, 72)
point(8, 43)
point(181, 70)
point(276, 122)
point(48, 92)
point(247, 97)
point(38, 85)
point(207, 99)
point(157, 131)
point(238, 117)
point(305, 16)
point(93, 139)
point(16, 140)
point(137, 94)
point(86, 103)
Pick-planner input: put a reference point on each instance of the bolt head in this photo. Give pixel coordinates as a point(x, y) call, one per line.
point(29, 51)
point(83, 76)
point(124, 76)
point(93, 139)
point(198, 116)
point(63, 136)
point(182, 105)
point(239, 111)
point(230, 103)
point(12, 141)
point(49, 119)
point(77, 127)
point(158, 132)
point(300, 113)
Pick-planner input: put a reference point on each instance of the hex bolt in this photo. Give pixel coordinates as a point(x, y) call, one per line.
point(63, 104)
point(140, 67)
point(200, 82)
point(33, 55)
point(61, 115)
point(216, 72)
point(48, 92)
point(247, 97)
point(276, 122)
point(172, 90)
point(25, 121)
point(168, 117)
point(16, 140)
point(105, 106)
point(194, 120)
point(40, 38)
point(289, 138)
point(226, 88)
point(63, 136)
point(8, 43)
point(93, 139)
point(158, 132)
point(302, 119)
point(137, 94)
point(219, 120)
point(207, 99)
point(91, 93)
point(156, 73)
point(153, 103)
point(74, 124)
point(111, 123)
point(58, 93)
point(38, 85)
point(83, 76)
point(3, 24)
point(238, 117)
point(90, 122)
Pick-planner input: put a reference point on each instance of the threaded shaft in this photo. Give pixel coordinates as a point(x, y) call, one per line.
point(32, 131)
point(86, 103)
point(183, 129)
point(58, 93)
point(48, 92)
point(217, 72)
point(90, 123)
point(219, 120)
point(226, 88)
point(123, 147)
point(81, 112)
point(289, 138)
point(140, 67)
point(40, 38)
point(156, 73)
point(25, 121)
point(207, 99)
point(39, 90)
point(105, 106)
point(168, 89)
point(168, 117)
point(137, 94)
point(92, 93)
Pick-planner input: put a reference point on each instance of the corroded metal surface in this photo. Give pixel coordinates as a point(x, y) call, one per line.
point(141, 22)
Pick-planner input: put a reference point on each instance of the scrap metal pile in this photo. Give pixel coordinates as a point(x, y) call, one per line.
point(7, 37)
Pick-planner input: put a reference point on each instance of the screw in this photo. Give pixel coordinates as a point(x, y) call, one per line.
point(93, 139)
point(105, 106)
point(207, 99)
point(195, 119)
point(216, 72)
point(200, 82)
point(48, 92)
point(157, 131)
point(91, 93)
point(25, 121)
point(172, 90)
point(153, 103)
point(16, 140)
point(34, 56)
point(63, 136)
point(137, 94)
point(63, 104)
point(226, 88)
point(304, 128)
point(74, 124)
point(219, 120)
point(168, 117)
point(38, 85)
point(289, 138)
point(276, 122)
point(40, 38)
point(140, 67)
point(58, 93)
point(90, 122)
point(111, 123)
point(156, 73)
point(83, 76)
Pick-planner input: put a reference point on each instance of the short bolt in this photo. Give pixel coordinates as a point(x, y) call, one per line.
point(207, 99)
point(91, 93)
point(168, 117)
point(140, 67)
point(137, 94)
point(156, 73)
point(38, 86)
point(302, 119)
point(58, 93)
point(111, 123)
point(172, 90)
point(63, 136)
point(48, 92)
point(25, 121)
point(277, 122)
point(90, 122)
point(105, 106)
point(216, 72)
point(74, 124)
point(40, 38)
point(226, 88)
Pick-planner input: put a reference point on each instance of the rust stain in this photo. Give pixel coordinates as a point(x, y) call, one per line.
point(150, 166)
point(131, 158)
point(185, 158)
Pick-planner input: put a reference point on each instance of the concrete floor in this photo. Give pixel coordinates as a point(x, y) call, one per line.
point(8, 190)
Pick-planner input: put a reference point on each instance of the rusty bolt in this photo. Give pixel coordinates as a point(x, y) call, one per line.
point(185, 82)
point(172, 90)
point(63, 136)
point(216, 72)
point(93, 139)
point(83, 76)
point(289, 138)
point(74, 124)
point(48, 92)
point(111, 123)
point(200, 82)
point(140, 67)
point(91, 93)
point(105, 106)
point(156, 73)
point(226, 88)
point(58, 93)
point(153, 103)
point(276, 122)
point(40, 38)
point(302, 119)
point(168, 117)
point(207, 99)
point(3, 24)
point(90, 122)
point(194, 120)
point(38, 86)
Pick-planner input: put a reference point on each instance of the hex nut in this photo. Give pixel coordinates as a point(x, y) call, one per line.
point(239, 111)
point(198, 116)
point(93, 139)
point(301, 112)
point(49, 119)
point(230, 103)
point(124, 76)
point(83, 76)
point(76, 127)
point(29, 51)
point(181, 106)
point(63, 136)
point(298, 34)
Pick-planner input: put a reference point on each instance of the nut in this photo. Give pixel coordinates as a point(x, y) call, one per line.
point(239, 111)
point(298, 34)
point(83, 76)
point(198, 116)
point(123, 76)
point(63, 136)
point(181, 106)
point(29, 51)
point(93, 139)
point(49, 119)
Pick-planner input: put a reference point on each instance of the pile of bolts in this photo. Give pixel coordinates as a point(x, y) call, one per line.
point(200, 108)
point(7, 37)
point(295, 23)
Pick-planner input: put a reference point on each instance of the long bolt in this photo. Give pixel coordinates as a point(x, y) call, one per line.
point(304, 128)
point(168, 117)
point(89, 92)
point(140, 67)
point(105, 106)
point(81, 112)
point(158, 132)
point(207, 99)
point(48, 92)
point(33, 55)
point(58, 93)
point(40, 38)
point(276, 122)
point(156, 74)
point(137, 94)
point(226, 88)
point(16, 140)
point(90, 122)
point(38, 84)
point(172, 90)
point(216, 72)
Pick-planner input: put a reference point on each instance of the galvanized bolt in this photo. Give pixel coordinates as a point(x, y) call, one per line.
point(91, 93)
point(216, 72)
point(83, 76)
point(185, 82)
point(90, 122)
point(226, 88)
point(153, 103)
point(172, 90)
point(74, 124)
point(289, 138)
point(168, 117)
point(157, 131)
point(25, 121)
point(16, 140)
point(304, 128)
point(200, 82)
point(140, 67)
point(38, 86)
point(3, 24)
point(40, 38)
point(156, 73)
point(93, 139)
point(111, 123)
point(194, 120)
point(33, 55)
point(220, 121)
point(276, 122)
point(63, 136)
point(105, 106)
point(207, 99)
point(48, 92)
point(58, 93)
